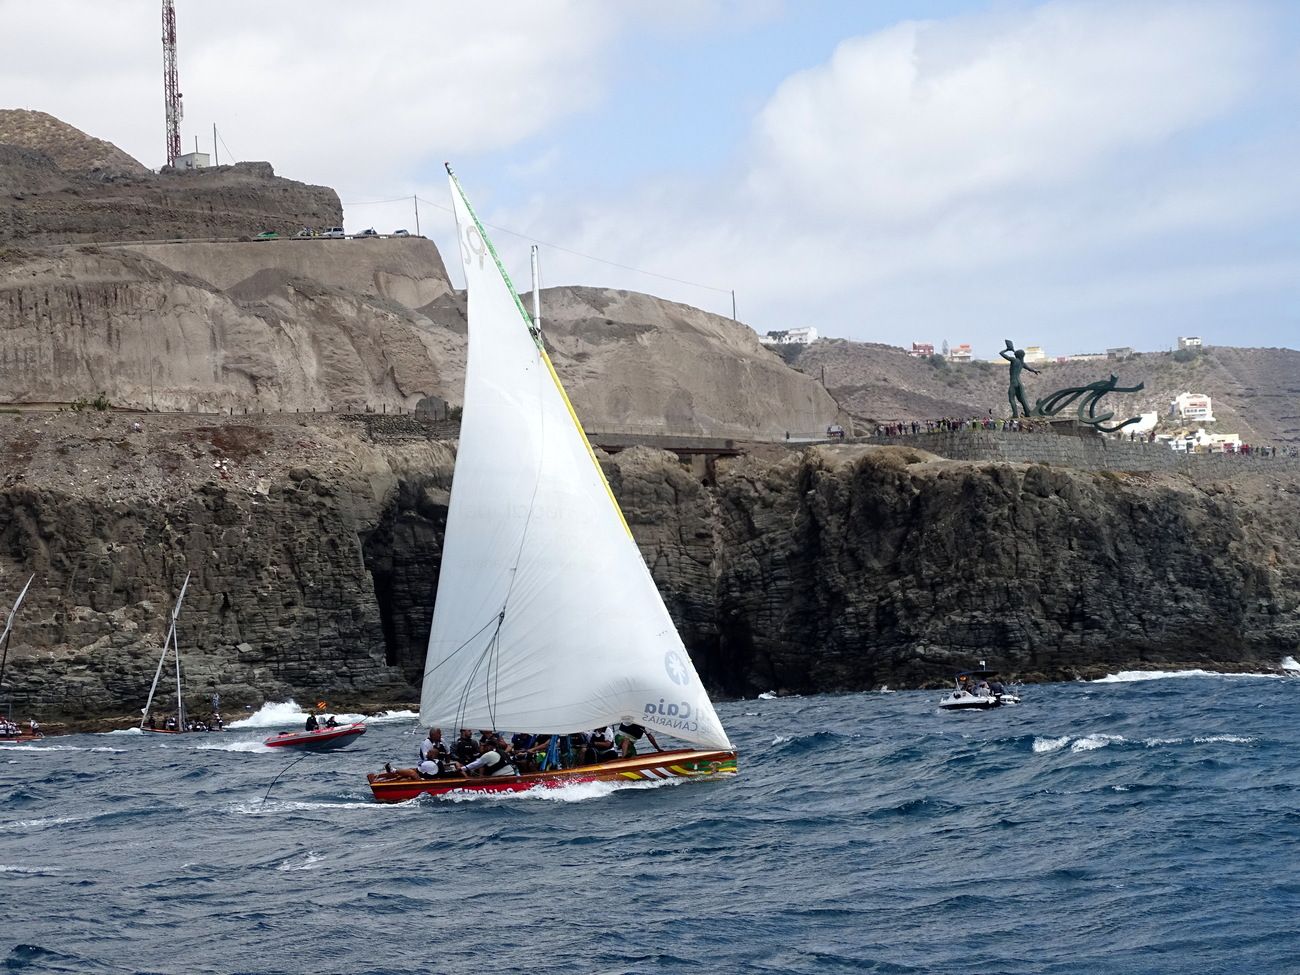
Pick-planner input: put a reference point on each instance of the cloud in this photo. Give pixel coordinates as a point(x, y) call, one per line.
point(941, 177)
point(910, 120)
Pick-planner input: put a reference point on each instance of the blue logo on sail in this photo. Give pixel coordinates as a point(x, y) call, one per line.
point(679, 672)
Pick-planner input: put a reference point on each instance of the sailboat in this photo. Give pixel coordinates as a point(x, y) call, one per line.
point(10, 730)
point(169, 644)
point(547, 619)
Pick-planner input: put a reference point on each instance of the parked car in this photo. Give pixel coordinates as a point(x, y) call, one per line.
point(305, 232)
point(267, 235)
point(336, 232)
point(368, 232)
point(400, 233)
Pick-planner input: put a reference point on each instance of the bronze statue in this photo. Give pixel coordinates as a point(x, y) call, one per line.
point(1055, 402)
point(1016, 389)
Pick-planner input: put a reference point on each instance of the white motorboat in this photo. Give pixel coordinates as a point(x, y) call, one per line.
point(978, 690)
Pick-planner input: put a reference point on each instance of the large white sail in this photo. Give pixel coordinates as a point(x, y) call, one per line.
point(547, 619)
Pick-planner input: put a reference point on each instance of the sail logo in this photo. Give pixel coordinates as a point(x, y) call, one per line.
point(678, 670)
point(675, 716)
point(473, 245)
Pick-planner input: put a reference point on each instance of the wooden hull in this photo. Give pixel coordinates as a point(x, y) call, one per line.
point(320, 740)
point(682, 763)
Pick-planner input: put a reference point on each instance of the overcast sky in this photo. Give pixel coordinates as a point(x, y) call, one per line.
point(1069, 174)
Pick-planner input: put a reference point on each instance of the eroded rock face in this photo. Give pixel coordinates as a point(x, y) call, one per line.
point(314, 548)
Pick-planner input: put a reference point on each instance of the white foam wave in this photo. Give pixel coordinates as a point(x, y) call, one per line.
point(308, 862)
point(42, 823)
point(1130, 676)
point(255, 747)
point(272, 715)
point(1289, 664)
point(1093, 742)
point(570, 792)
point(59, 748)
point(767, 695)
point(37, 871)
point(386, 716)
point(281, 714)
point(256, 807)
point(782, 739)
point(122, 731)
point(1050, 744)
point(1224, 739)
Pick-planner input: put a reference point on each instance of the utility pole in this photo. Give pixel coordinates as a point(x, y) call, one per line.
point(216, 159)
point(416, 200)
point(171, 82)
point(733, 304)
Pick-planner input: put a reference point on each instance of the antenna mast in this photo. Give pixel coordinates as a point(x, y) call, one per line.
point(171, 83)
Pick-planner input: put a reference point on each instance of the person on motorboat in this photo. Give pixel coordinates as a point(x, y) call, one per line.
point(34, 727)
point(332, 722)
point(628, 735)
point(312, 723)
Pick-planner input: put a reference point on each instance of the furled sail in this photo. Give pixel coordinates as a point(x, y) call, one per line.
point(547, 619)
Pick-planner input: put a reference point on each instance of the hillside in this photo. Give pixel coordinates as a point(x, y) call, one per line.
point(1255, 392)
point(66, 146)
point(60, 185)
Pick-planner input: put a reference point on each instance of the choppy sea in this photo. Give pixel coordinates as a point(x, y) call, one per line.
point(1139, 824)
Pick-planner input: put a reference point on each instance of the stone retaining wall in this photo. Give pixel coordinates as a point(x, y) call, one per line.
point(1083, 453)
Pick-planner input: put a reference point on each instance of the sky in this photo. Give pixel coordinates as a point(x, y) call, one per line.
point(1075, 174)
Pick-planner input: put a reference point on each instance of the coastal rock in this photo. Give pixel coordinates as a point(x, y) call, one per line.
point(815, 569)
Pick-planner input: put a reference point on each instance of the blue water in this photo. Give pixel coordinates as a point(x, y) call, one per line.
point(1122, 827)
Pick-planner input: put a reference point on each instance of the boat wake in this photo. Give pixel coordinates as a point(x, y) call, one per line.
point(282, 714)
point(59, 748)
point(569, 792)
point(253, 747)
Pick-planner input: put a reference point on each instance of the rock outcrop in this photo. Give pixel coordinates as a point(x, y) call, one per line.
point(314, 546)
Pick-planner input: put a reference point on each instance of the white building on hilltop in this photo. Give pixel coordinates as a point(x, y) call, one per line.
point(1189, 341)
point(792, 336)
point(1195, 407)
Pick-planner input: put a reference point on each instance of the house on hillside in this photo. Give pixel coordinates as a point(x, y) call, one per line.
point(790, 336)
point(1035, 353)
point(1192, 406)
point(960, 353)
point(1122, 352)
point(1189, 341)
point(922, 350)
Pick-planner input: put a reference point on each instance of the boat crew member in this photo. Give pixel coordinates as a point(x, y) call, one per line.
point(602, 748)
point(628, 735)
point(311, 722)
point(434, 745)
point(466, 748)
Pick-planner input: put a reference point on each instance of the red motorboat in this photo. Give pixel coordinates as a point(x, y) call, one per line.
point(320, 740)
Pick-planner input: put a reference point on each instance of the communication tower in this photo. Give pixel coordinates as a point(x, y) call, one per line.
point(171, 83)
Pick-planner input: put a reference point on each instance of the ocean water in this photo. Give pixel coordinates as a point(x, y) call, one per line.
point(1131, 825)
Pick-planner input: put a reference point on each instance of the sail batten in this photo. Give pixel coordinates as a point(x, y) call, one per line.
point(536, 541)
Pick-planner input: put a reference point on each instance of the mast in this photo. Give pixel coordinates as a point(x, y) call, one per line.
point(170, 641)
point(9, 625)
point(537, 297)
point(176, 612)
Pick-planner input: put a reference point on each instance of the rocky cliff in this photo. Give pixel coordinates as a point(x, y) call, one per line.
point(314, 545)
